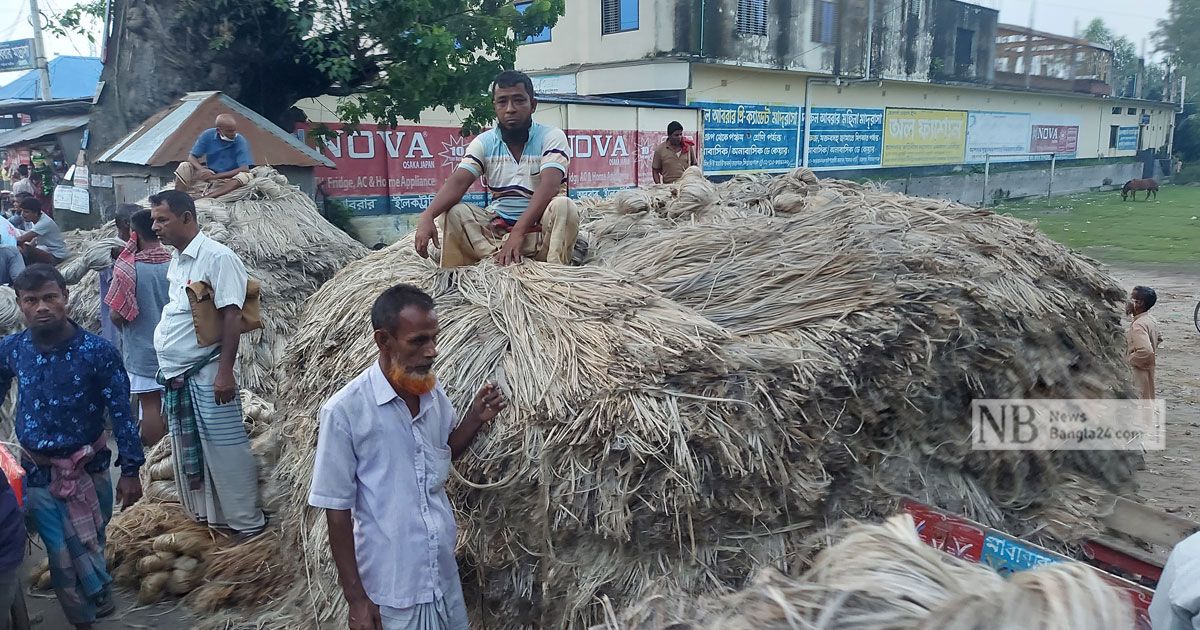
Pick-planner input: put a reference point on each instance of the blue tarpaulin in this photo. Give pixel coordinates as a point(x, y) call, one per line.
point(70, 77)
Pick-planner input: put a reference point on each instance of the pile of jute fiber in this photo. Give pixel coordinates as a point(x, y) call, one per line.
point(882, 577)
point(285, 244)
point(735, 368)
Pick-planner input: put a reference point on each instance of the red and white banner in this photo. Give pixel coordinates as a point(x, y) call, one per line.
point(1060, 139)
point(398, 170)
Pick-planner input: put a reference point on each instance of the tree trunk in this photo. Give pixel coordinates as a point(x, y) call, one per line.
point(160, 50)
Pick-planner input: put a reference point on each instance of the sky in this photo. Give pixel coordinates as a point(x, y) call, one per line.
point(1136, 20)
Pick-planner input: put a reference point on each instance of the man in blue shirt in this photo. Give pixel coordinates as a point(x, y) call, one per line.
point(66, 379)
point(227, 158)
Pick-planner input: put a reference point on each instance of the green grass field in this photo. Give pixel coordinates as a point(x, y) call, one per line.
point(1111, 230)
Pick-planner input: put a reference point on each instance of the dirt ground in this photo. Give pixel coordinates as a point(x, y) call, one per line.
point(1171, 481)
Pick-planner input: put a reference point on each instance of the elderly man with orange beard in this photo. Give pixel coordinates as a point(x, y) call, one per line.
point(383, 456)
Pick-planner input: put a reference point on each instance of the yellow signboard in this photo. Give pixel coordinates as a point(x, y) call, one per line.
point(917, 137)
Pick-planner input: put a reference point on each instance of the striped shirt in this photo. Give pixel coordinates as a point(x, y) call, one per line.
point(511, 184)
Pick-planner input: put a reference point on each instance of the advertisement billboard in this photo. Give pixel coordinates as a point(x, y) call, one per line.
point(1127, 139)
point(1060, 139)
point(16, 55)
point(394, 170)
point(744, 137)
point(842, 137)
point(996, 134)
point(918, 137)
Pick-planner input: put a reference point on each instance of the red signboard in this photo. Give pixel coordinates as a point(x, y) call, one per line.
point(384, 170)
point(398, 170)
point(1060, 139)
point(602, 160)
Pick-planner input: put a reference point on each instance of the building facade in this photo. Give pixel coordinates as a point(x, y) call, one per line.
point(884, 83)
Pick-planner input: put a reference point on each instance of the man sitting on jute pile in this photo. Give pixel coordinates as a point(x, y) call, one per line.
point(524, 167)
point(227, 159)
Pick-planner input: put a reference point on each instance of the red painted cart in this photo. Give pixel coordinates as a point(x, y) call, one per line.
point(1130, 567)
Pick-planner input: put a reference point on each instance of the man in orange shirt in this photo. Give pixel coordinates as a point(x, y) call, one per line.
point(1142, 339)
point(673, 156)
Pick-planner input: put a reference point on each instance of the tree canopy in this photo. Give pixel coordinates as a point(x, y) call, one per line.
point(397, 57)
point(1125, 57)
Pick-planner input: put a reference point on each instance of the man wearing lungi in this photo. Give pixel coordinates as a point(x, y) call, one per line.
point(66, 379)
point(524, 168)
point(226, 165)
point(383, 456)
point(214, 468)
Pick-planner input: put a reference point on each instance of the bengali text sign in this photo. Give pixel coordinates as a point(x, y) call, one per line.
point(997, 134)
point(742, 137)
point(915, 137)
point(1127, 139)
point(840, 137)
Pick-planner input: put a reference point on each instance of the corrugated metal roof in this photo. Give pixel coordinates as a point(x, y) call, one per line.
point(70, 77)
point(41, 128)
point(168, 136)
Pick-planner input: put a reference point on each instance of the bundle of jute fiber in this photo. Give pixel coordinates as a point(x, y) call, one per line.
point(285, 244)
point(130, 551)
point(693, 199)
point(96, 255)
point(655, 436)
point(634, 427)
point(156, 549)
point(876, 281)
point(877, 577)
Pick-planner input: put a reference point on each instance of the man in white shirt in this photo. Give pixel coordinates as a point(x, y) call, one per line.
point(214, 467)
point(524, 167)
point(1176, 603)
point(383, 456)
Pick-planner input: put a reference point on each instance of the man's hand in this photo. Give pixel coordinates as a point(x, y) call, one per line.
point(364, 615)
point(510, 252)
point(206, 174)
point(426, 231)
point(116, 318)
point(487, 404)
point(224, 387)
point(129, 491)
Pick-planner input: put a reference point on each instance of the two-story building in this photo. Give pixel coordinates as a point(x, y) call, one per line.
point(888, 83)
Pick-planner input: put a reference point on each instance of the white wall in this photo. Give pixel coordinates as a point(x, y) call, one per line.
point(577, 38)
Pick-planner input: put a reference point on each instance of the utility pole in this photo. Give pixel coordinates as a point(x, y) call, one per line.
point(39, 50)
point(1028, 45)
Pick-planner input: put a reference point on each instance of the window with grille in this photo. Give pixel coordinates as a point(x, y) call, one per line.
point(618, 16)
point(824, 21)
point(543, 36)
point(752, 17)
